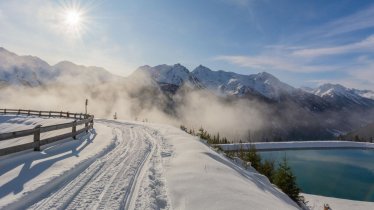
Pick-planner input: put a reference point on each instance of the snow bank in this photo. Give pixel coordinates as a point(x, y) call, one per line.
point(29, 176)
point(299, 145)
point(316, 202)
point(199, 178)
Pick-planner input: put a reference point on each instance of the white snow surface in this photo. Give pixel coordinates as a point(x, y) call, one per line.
point(130, 165)
point(316, 202)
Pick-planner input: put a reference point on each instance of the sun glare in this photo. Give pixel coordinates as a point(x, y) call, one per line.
point(73, 21)
point(73, 18)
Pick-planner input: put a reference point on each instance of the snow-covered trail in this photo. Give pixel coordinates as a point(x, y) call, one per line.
point(115, 180)
point(133, 165)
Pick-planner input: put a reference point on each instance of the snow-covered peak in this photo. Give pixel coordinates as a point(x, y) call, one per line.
point(330, 90)
point(171, 74)
point(341, 94)
point(231, 83)
point(265, 76)
point(32, 71)
point(22, 70)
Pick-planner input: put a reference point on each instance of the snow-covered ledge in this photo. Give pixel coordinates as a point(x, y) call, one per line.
point(298, 145)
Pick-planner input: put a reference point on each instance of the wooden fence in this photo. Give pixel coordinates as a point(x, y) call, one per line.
point(79, 119)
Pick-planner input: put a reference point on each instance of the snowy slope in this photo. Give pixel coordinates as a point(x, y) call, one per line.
point(199, 178)
point(231, 83)
point(316, 202)
point(365, 93)
point(340, 95)
point(175, 74)
point(22, 70)
point(32, 71)
point(125, 165)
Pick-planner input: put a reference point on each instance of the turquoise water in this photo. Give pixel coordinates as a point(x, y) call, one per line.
point(347, 174)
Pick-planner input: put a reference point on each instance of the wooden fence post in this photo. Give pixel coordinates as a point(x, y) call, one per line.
point(61, 114)
point(49, 114)
point(28, 113)
point(67, 115)
point(40, 113)
point(4, 111)
point(86, 125)
point(19, 111)
point(37, 137)
point(74, 130)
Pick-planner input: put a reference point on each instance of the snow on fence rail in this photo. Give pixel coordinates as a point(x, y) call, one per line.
point(297, 145)
point(79, 119)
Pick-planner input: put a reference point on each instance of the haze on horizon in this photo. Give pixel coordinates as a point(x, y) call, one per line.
point(304, 43)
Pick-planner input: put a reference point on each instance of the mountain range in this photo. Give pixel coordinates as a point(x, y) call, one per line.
point(262, 85)
point(331, 106)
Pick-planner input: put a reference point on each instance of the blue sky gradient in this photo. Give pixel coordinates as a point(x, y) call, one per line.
point(304, 43)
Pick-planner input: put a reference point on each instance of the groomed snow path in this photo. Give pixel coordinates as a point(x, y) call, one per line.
point(110, 182)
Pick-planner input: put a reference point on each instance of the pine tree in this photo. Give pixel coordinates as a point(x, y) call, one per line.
point(241, 153)
point(286, 181)
point(267, 169)
point(253, 157)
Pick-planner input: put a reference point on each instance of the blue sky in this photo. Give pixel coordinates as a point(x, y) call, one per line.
point(304, 43)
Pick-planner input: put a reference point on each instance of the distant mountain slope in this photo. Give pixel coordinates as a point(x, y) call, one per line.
point(365, 93)
point(231, 83)
point(23, 70)
point(293, 113)
point(174, 75)
point(365, 133)
point(342, 97)
point(32, 71)
point(263, 86)
point(69, 72)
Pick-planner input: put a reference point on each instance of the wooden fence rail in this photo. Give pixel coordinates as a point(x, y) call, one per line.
point(79, 119)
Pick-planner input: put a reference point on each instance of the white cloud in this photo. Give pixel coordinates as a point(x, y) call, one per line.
point(360, 20)
point(365, 45)
point(360, 76)
point(274, 62)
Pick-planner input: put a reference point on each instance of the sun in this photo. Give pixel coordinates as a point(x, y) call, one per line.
point(73, 18)
point(73, 21)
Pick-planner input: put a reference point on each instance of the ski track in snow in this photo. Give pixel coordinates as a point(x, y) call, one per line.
point(128, 177)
